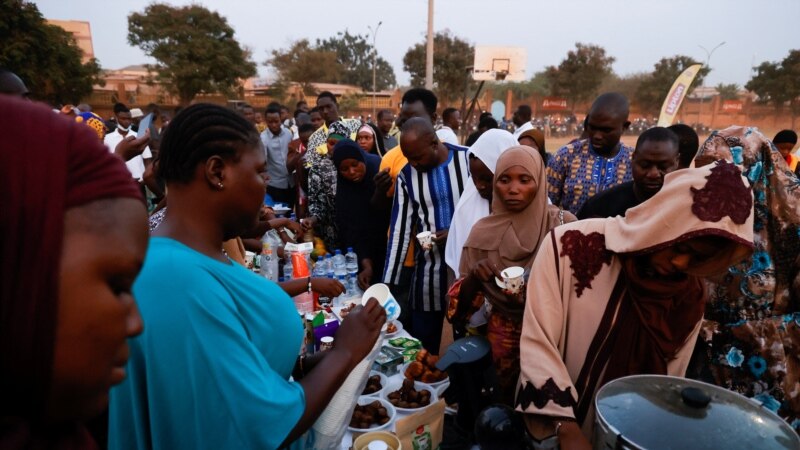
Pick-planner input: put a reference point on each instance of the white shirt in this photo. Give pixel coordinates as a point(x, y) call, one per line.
point(525, 127)
point(446, 134)
point(136, 164)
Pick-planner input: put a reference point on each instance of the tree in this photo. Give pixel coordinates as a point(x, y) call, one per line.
point(579, 76)
point(625, 85)
point(538, 84)
point(195, 49)
point(654, 89)
point(304, 64)
point(354, 54)
point(728, 91)
point(46, 57)
point(778, 83)
point(451, 56)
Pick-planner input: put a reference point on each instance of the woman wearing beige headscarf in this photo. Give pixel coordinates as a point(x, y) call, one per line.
point(510, 236)
point(621, 296)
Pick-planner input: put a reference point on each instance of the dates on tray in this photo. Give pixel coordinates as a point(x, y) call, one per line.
point(373, 385)
point(369, 416)
point(409, 398)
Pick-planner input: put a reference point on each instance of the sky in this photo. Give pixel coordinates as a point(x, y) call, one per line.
point(637, 33)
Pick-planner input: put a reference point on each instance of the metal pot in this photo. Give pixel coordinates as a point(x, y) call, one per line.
point(661, 412)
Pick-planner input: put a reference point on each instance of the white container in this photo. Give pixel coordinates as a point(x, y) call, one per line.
point(390, 411)
point(396, 384)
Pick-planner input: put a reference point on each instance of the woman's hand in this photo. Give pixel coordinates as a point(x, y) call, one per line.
point(308, 223)
point(360, 330)
point(327, 287)
point(484, 270)
point(365, 276)
point(570, 437)
point(295, 227)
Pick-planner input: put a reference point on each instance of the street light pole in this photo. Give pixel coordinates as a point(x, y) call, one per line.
point(708, 59)
point(429, 49)
point(374, 53)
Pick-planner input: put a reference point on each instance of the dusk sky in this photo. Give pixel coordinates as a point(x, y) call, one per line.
point(636, 33)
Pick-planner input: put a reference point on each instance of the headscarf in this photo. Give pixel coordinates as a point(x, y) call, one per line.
point(377, 138)
point(511, 238)
point(338, 130)
point(537, 137)
point(471, 207)
point(353, 199)
point(94, 122)
point(751, 331)
point(50, 164)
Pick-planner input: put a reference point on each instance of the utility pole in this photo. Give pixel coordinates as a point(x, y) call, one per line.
point(429, 49)
point(708, 59)
point(374, 54)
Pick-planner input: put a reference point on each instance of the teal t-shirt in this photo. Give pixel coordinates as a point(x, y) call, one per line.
point(211, 369)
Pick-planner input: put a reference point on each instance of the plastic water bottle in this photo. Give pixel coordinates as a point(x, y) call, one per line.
point(329, 266)
point(269, 255)
point(351, 263)
point(320, 271)
point(288, 269)
point(339, 266)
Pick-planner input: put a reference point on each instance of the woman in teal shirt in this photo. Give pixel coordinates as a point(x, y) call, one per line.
point(212, 367)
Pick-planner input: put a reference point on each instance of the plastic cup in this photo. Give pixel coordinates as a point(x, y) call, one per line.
point(425, 240)
point(384, 296)
point(363, 441)
point(513, 278)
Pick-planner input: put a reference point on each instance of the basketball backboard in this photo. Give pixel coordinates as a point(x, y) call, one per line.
point(499, 63)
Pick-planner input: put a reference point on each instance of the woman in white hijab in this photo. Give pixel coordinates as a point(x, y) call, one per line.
point(475, 202)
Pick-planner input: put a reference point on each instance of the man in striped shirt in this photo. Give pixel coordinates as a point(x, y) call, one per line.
point(426, 193)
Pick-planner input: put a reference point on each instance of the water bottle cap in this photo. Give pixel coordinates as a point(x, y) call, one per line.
point(338, 252)
point(319, 258)
point(349, 249)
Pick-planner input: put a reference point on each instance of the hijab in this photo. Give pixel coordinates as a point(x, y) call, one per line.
point(471, 207)
point(44, 174)
point(377, 139)
point(353, 198)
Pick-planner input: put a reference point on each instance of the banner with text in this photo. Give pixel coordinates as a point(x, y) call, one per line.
point(732, 106)
point(554, 104)
point(676, 95)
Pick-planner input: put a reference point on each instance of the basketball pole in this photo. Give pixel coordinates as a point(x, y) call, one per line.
point(429, 49)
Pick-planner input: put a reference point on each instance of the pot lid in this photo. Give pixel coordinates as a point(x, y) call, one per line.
point(663, 412)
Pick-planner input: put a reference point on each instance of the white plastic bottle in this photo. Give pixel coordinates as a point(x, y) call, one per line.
point(269, 255)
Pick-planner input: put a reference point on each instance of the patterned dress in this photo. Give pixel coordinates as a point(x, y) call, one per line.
point(750, 340)
point(322, 182)
point(576, 173)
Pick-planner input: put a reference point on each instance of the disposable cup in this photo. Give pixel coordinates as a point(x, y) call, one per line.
point(513, 278)
point(384, 296)
point(425, 240)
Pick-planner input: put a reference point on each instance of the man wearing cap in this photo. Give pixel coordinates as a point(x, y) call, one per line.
point(136, 118)
point(137, 164)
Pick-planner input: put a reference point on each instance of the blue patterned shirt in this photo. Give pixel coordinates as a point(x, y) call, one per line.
point(576, 173)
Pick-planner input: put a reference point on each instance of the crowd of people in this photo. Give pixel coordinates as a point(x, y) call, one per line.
point(670, 257)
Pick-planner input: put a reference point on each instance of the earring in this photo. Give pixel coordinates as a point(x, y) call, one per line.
point(220, 185)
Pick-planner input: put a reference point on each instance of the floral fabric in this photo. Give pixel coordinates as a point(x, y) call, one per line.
point(750, 340)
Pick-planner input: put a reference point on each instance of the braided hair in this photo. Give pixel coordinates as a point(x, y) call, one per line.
point(199, 132)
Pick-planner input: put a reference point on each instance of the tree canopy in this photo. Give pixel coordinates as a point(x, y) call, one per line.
point(46, 57)
point(778, 82)
point(451, 56)
point(345, 58)
point(654, 89)
point(195, 49)
point(579, 76)
point(728, 91)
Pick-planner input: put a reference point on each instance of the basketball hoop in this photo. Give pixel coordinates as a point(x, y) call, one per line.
point(499, 64)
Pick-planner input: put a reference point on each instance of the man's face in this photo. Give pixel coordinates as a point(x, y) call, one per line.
point(411, 110)
point(249, 115)
point(124, 119)
point(284, 114)
point(316, 119)
point(785, 148)
point(516, 119)
point(136, 120)
point(455, 121)
point(651, 161)
point(420, 150)
point(258, 117)
point(605, 129)
point(328, 110)
point(303, 106)
point(386, 121)
point(274, 123)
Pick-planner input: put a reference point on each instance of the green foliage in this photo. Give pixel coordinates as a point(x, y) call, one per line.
point(728, 91)
point(538, 84)
point(44, 56)
point(579, 76)
point(348, 103)
point(354, 55)
point(778, 82)
point(304, 64)
point(654, 89)
point(195, 49)
point(625, 85)
point(451, 56)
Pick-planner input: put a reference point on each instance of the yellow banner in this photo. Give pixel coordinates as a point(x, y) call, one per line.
point(676, 94)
